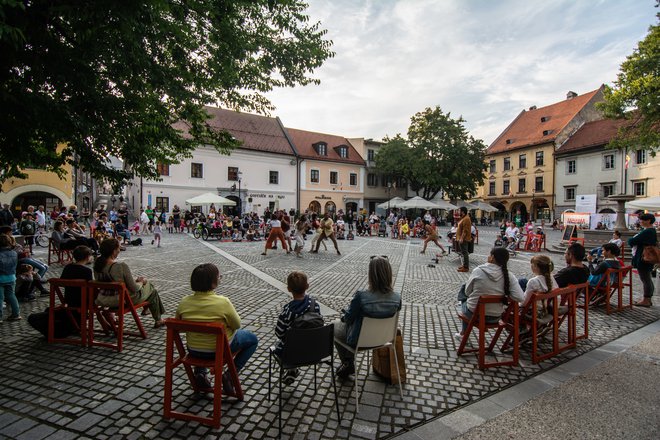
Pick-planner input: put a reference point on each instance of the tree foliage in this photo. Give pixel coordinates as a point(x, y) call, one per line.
point(111, 78)
point(438, 154)
point(636, 96)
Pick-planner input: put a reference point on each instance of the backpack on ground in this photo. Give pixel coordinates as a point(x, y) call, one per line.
point(309, 319)
point(136, 242)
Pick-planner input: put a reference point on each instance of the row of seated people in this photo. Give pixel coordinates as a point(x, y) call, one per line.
point(205, 305)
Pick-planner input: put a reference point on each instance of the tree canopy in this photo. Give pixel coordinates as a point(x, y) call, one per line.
point(112, 78)
point(636, 96)
point(438, 154)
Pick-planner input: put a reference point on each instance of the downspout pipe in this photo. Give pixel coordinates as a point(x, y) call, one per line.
point(298, 160)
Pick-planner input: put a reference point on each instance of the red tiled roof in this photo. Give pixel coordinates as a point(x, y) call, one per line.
point(304, 142)
point(256, 132)
point(527, 129)
point(591, 134)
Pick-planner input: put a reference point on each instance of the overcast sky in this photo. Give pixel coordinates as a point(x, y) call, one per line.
point(483, 59)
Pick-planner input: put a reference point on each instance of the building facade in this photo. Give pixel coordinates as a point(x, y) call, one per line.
point(331, 172)
point(260, 174)
point(520, 162)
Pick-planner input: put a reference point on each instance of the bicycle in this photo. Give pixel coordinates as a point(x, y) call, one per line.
point(40, 238)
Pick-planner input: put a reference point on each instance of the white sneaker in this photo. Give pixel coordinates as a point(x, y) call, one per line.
point(458, 336)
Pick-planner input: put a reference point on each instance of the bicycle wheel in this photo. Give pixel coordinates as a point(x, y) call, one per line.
point(41, 240)
point(205, 234)
point(196, 233)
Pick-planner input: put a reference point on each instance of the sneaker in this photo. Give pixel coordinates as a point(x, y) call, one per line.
point(458, 336)
point(203, 383)
point(463, 269)
point(444, 253)
point(290, 376)
point(152, 241)
point(15, 318)
point(345, 370)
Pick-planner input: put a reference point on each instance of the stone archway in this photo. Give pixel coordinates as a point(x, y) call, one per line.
point(13, 196)
point(519, 213)
point(314, 206)
point(330, 207)
point(48, 200)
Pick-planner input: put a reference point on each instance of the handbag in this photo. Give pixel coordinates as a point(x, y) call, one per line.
point(384, 365)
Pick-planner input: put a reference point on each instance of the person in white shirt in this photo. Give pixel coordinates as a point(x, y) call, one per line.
point(40, 217)
point(511, 232)
point(144, 222)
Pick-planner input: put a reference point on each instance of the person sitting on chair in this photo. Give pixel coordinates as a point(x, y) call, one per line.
point(204, 305)
point(380, 301)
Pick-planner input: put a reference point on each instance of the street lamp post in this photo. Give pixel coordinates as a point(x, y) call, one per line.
point(533, 203)
point(240, 200)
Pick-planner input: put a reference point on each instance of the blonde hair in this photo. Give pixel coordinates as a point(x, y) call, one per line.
point(380, 275)
point(545, 265)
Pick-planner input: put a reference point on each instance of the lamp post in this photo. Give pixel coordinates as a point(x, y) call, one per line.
point(389, 196)
point(532, 211)
point(240, 201)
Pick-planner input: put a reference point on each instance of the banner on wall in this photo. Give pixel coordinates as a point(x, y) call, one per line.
point(586, 203)
point(580, 219)
point(607, 219)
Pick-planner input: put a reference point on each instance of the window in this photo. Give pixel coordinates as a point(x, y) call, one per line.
point(353, 179)
point(609, 161)
point(522, 185)
point(569, 193)
point(493, 167)
point(163, 204)
point(539, 158)
point(571, 166)
point(491, 188)
point(522, 161)
point(507, 163)
point(333, 177)
point(163, 169)
point(546, 132)
point(343, 152)
point(197, 170)
point(639, 188)
point(400, 182)
point(544, 118)
point(232, 173)
point(371, 155)
point(321, 149)
point(640, 157)
point(372, 179)
point(506, 188)
point(314, 176)
point(274, 177)
point(538, 184)
point(608, 189)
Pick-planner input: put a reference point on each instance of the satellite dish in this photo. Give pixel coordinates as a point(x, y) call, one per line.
point(82, 188)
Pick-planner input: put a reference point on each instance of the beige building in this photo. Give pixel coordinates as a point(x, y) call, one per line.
point(520, 162)
point(331, 172)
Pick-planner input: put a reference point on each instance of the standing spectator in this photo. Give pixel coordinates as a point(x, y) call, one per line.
point(8, 263)
point(144, 222)
point(646, 237)
point(350, 219)
point(28, 228)
point(40, 218)
point(150, 215)
point(176, 213)
point(6, 217)
point(122, 214)
point(464, 237)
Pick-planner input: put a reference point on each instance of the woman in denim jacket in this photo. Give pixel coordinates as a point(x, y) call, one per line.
point(8, 262)
point(380, 301)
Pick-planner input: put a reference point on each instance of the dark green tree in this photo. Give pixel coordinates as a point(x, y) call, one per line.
point(439, 154)
point(636, 96)
point(130, 79)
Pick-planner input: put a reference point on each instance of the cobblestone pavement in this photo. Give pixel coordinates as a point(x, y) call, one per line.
point(62, 392)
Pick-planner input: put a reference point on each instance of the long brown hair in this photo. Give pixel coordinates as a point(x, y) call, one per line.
point(380, 275)
point(545, 265)
point(106, 249)
point(501, 257)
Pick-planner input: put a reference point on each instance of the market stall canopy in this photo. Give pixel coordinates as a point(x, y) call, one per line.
point(420, 203)
point(442, 204)
point(394, 203)
point(210, 198)
point(485, 206)
point(462, 203)
point(648, 204)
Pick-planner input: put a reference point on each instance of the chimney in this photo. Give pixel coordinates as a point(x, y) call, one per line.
point(533, 107)
point(570, 95)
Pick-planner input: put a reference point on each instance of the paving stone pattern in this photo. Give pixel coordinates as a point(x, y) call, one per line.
point(67, 392)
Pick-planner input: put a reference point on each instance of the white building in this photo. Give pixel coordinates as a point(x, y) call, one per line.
point(259, 174)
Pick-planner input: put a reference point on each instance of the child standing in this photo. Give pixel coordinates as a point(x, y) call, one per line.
point(8, 262)
point(170, 225)
point(158, 232)
point(302, 303)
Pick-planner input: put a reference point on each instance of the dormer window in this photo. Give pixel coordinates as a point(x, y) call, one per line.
point(342, 151)
point(509, 141)
point(544, 118)
point(321, 148)
point(546, 132)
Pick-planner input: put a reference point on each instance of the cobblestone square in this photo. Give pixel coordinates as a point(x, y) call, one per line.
point(61, 391)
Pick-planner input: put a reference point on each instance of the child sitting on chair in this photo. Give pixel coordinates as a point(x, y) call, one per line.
point(302, 303)
point(204, 305)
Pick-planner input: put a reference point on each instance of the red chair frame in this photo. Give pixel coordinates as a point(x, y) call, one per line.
point(582, 290)
point(508, 322)
point(111, 319)
point(56, 293)
point(620, 275)
point(63, 255)
point(223, 357)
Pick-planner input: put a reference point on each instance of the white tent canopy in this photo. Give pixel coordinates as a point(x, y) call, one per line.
point(462, 203)
point(485, 206)
point(420, 203)
point(210, 198)
point(649, 204)
point(393, 203)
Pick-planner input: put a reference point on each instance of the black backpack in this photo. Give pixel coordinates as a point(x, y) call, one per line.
point(309, 319)
point(136, 242)
point(27, 228)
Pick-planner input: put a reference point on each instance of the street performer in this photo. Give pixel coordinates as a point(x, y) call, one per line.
point(275, 233)
point(327, 231)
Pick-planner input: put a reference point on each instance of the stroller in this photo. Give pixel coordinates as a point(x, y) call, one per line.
point(382, 228)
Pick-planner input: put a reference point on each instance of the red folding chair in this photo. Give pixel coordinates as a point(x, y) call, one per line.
point(112, 319)
point(223, 357)
point(58, 302)
point(622, 278)
point(508, 322)
point(564, 313)
point(61, 256)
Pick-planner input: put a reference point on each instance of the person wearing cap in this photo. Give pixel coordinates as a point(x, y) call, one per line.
point(28, 228)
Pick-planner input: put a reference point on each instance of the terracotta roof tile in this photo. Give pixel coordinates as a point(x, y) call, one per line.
point(530, 129)
point(591, 134)
point(304, 142)
point(257, 132)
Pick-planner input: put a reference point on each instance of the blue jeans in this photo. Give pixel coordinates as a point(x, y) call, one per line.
point(468, 313)
point(40, 267)
point(7, 292)
point(243, 340)
point(126, 234)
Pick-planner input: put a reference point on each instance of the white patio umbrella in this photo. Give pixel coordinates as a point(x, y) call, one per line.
point(649, 204)
point(463, 203)
point(393, 203)
point(210, 198)
point(443, 204)
point(485, 206)
point(419, 203)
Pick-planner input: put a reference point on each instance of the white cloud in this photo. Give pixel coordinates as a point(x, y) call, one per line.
point(483, 60)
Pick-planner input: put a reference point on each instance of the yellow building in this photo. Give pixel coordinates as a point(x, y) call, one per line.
point(520, 162)
point(39, 188)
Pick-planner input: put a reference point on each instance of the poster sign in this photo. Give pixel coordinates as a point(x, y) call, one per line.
point(607, 219)
point(569, 231)
point(586, 203)
point(580, 219)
